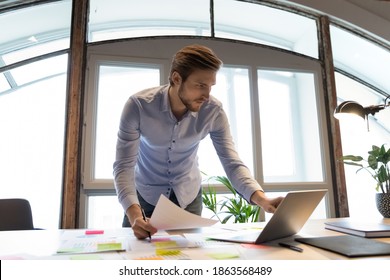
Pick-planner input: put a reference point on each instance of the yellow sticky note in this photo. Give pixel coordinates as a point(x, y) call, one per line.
point(167, 252)
point(223, 256)
point(166, 244)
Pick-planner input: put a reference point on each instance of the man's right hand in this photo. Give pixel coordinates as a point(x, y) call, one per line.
point(141, 228)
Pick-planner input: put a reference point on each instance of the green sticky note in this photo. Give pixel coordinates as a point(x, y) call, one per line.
point(85, 257)
point(109, 246)
point(70, 250)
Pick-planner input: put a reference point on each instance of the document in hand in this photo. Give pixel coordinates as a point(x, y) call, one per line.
point(360, 228)
point(168, 215)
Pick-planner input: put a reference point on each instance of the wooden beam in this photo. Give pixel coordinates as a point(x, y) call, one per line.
point(73, 129)
point(326, 56)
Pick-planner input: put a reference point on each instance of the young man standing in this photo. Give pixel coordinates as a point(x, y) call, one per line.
point(159, 135)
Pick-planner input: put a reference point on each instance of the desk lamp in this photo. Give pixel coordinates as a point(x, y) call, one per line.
point(352, 107)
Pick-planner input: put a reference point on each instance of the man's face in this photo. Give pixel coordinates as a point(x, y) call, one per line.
point(196, 89)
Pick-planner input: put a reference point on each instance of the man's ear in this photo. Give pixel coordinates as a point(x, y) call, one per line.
point(176, 78)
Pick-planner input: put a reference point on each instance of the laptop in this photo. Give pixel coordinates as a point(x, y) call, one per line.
point(288, 219)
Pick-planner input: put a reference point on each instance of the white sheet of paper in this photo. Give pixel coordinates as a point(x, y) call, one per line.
point(168, 215)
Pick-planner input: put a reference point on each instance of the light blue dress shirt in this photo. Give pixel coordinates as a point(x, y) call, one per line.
point(156, 154)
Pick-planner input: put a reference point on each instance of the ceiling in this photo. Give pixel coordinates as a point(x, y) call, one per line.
point(380, 8)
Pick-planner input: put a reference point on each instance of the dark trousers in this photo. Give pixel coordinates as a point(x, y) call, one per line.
point(195, 207)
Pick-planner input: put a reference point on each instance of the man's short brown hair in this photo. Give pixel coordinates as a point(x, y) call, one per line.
point(191, 58)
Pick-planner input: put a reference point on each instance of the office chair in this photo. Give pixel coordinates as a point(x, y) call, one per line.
point(15, 214)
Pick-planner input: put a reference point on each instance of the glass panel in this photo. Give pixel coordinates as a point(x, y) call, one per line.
point(39, 70)
point(357, 140)
point(361, 58)
point(291, 148)
point(32, 120)
point(232, 89)
point(265, 25)
point(116, 84)
point(30, 37)
point(4, 85)
point(318, 213)
point(35, 51)
point(131, 18)
point(104, 212)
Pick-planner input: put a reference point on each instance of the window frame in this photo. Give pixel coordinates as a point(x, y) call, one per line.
point(89, 182)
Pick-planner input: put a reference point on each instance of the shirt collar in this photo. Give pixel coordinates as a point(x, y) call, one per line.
point(166, 106)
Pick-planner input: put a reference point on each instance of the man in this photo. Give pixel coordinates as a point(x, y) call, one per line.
point(159, 134)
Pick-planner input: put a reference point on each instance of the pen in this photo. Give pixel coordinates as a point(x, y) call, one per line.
point(144, 217)
point(292, 247)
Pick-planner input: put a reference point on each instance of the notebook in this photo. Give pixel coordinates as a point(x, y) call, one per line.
point(360, 228)
point(348, 245)
point(288, 219)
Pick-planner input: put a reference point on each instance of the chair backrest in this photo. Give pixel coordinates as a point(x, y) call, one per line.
point(15, 214)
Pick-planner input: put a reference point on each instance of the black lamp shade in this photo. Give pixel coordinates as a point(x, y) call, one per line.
point(350, 107)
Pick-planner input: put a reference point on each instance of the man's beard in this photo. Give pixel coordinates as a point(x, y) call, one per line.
point(189, 104)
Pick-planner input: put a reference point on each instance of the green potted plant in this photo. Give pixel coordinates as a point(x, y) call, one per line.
point(229, 207)
point(377, 165)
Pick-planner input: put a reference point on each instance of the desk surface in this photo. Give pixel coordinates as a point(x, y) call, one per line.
point(44, 244)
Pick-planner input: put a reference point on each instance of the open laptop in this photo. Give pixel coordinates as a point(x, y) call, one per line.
point(288, 219)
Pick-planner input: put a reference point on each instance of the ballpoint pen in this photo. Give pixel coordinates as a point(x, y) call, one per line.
point(144, 217)
point(291, 247)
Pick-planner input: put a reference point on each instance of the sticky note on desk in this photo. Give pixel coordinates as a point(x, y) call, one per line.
point(109, 246)
point(93, 232)
point(85, 257)
point(166, 244)
point(167, 252)
point(223, 256)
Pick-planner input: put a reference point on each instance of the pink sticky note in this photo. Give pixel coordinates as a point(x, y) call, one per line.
point(88, 232)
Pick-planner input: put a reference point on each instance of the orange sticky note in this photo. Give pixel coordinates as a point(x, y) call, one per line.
point(254, 246)
point(150, 258)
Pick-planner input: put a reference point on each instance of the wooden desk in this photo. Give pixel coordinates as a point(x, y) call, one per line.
point(43, 244)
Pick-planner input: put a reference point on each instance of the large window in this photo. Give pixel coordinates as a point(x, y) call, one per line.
point(270, 86)
point(32, 106)
point(362, 77)
point(32, 138)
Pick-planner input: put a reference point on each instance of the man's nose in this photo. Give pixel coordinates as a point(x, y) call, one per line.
point(206, 92)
